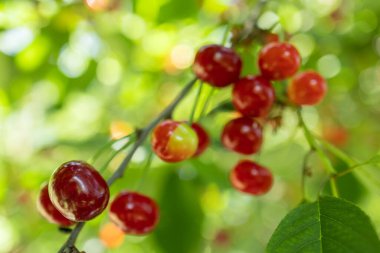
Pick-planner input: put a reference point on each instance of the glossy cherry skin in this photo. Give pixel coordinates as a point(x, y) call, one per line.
point(78, 191)
point(251, 178)
point(279, 60)
point(48, 210)
point(307, 88)
point(242, 135)
point(174, 141)
point(203, 138)
point(217, 65)
point(134, 213)
point(253, 96)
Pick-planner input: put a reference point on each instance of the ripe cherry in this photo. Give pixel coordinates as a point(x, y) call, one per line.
point(48, 210)
point(78, 191)
point(217, 65)
point(278, 61)
point(307, 88)
point(242, 135)
point(174, 141)
point(134, 213)
point(253, 96)
point(203, 138)
point(251, 178)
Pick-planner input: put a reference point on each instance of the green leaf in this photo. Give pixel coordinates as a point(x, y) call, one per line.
point(329, 225)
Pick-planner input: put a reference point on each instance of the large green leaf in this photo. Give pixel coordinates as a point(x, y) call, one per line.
point(329, 225)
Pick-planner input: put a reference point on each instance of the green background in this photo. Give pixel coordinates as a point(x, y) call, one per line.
point(67, 73)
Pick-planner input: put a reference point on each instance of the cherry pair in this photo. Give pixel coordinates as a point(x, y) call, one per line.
point(77, 192)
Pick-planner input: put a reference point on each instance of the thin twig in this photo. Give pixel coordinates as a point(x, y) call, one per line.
point(305, 170)
point(196, 102)
point(250, 27)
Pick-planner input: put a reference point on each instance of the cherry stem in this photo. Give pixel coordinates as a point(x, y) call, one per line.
point(146, 168)
point(196, 102)
point(206, 104)
point(104, 148)
point(305, 170)
point(334, 187)
point(250, 29)
point(114, 154)
point(225, 35)
point(314, 145)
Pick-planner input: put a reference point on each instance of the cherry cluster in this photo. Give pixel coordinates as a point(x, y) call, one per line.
point(77, 192)
point(252, 96)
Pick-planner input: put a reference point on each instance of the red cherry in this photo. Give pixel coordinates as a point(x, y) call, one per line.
point(203, 138)
point(278, 61)
point(307, 88)
point(134, 213)
point(48, 210)
point(217, 65)
point(242, 135)
point(251, 178)
point(253, 96)
point(174, 141)
point(78, 191)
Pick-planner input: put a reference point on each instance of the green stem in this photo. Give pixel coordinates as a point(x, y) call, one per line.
point(314, 145)
point(114, 154)
point(207, 102)
point(226, 32)
point(305, 170)
point(334, 187)
point(337, 152)
point(196, 101)
point(146, 168)
point(104, 148)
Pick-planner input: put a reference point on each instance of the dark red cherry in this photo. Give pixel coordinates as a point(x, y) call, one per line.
point(203, 138)
point(253, 96)
point(279, 60)
point(242, 135)
point(251, 178)
point(134, 213)
point(307, 88)
point(48, 210)
point(174, 141)
point(217, 65)
point(78, 191)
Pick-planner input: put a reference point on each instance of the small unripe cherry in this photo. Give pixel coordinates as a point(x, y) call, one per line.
point(78, 191)
point(279, 60)
point(203, 138)
point(242, 135)
point(134, 213)
point(307, 88)
point(49, 211)
point(253, 96)
point(252, 178)
point(217, 65)
point(174, 141)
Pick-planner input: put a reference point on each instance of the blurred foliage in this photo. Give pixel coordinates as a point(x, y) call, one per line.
point(68, 73)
